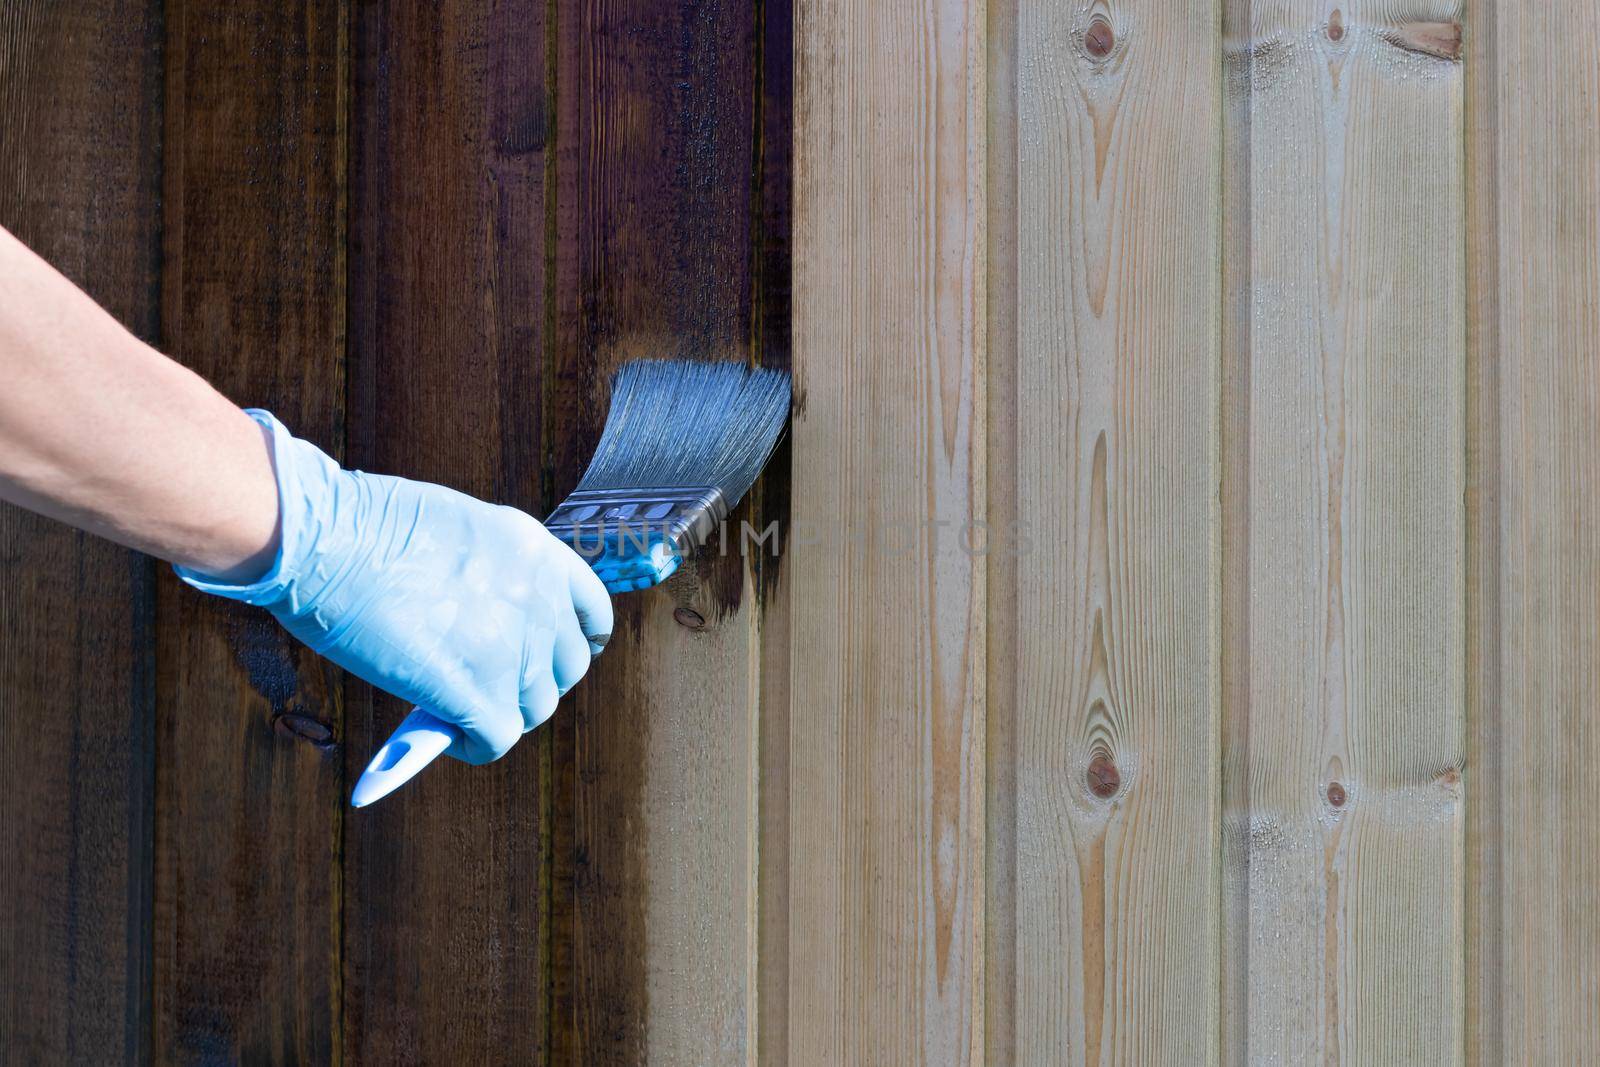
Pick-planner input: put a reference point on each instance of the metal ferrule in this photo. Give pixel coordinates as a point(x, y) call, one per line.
point(682, 516)
point(636, 538)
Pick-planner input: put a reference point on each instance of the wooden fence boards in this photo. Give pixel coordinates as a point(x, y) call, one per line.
point(250, 782)
point(1353, 545)
point(1265, 328)
point(80, 144)
point(886, 728)
point(1534, 152)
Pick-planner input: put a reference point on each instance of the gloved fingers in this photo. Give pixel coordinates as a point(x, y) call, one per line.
point(571, 657)
point(486, 734)
point(591, 602)
point(539, 697)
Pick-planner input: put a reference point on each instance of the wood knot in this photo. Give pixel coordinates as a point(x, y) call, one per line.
point(1099, 39)
point(687, 616)
point(1336, 26)
point(1103, 777)
point(1336, 794)
point(304, 728)
point(1442, 40)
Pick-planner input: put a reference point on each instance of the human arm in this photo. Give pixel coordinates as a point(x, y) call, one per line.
point(99, 430)
point(471, 610)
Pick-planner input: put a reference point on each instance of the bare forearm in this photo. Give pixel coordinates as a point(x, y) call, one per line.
point(100, 430)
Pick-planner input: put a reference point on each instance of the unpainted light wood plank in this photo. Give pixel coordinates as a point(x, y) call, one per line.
point(1353, 547)
point(1484, 944)
point(448, 930)
point(1116, 840)
point(1235, 580)
point(80, 141)
point(1002, 567)
point(1535, 258)
point(250, 724)
point(655, 255)
point(886, 827)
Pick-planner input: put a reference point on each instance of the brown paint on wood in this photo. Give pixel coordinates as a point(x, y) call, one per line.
point(447, 924)
point(80, 140)
point(247, 880)
point(659, 204)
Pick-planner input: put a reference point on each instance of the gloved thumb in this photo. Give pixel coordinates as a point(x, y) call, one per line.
point(590, 602)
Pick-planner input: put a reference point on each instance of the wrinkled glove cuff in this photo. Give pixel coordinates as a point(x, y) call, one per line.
point(304, 474)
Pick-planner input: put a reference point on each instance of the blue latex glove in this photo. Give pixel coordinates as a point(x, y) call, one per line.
point(470, 610)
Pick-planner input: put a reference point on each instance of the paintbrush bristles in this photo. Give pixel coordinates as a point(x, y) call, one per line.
point(685, 423)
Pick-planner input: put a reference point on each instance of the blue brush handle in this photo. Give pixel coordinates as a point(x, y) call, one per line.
point(623, 565)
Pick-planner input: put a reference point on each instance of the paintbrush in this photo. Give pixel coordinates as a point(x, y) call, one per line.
point(682, 443)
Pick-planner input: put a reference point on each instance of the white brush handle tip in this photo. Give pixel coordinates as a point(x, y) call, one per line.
point(419, 741)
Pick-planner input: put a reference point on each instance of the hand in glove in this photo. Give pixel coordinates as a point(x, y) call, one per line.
point(470, 610)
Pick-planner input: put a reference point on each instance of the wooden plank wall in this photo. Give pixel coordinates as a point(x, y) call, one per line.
point(1183, 643)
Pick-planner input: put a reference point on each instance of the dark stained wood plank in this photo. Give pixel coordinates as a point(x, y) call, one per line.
point(447, 932)
point(80, 140)
point(659, 207)
point(250, 775)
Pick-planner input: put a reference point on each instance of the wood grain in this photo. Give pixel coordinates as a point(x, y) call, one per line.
point(1116, 837)
point(886, 825)
point(1484, 943)
point(80, 142)
point(447, 924)
point(1003, 568)
point(250, 724)
point(1353, 675)
point(1534, 153)
point(1235, 557)
point(659, 210)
